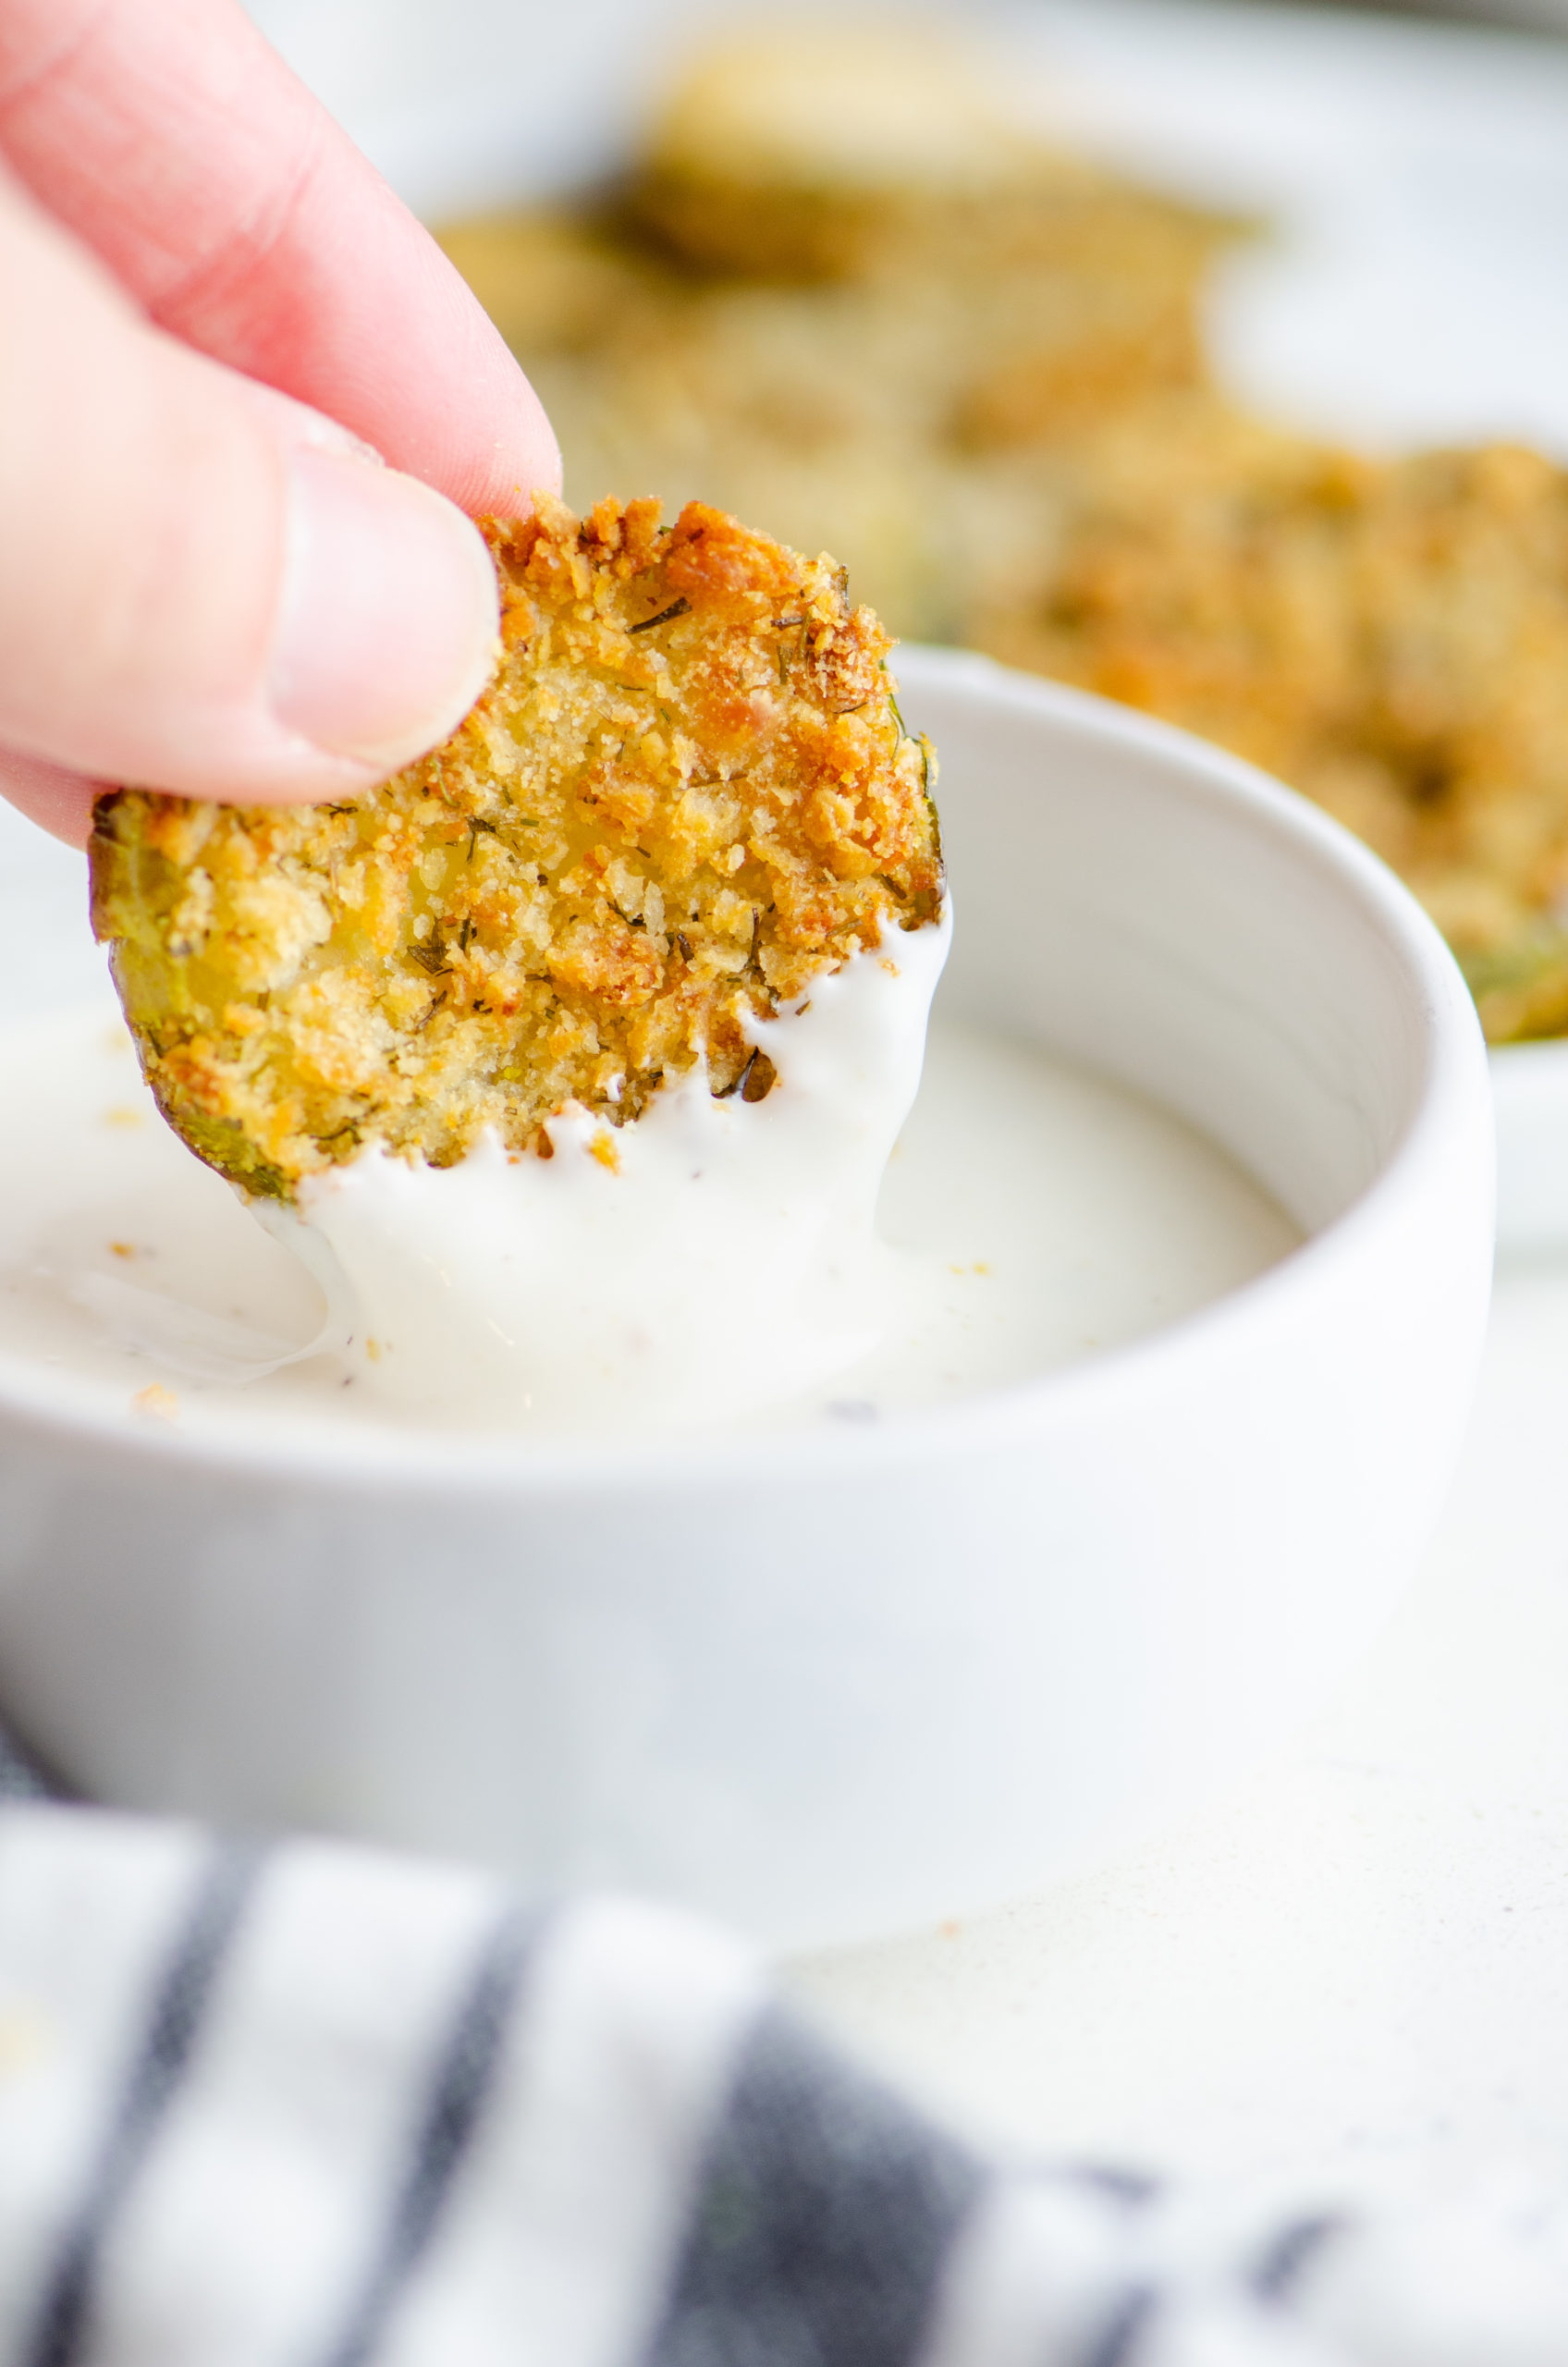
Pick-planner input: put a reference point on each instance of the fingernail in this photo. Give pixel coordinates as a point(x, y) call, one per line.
point(387, 623)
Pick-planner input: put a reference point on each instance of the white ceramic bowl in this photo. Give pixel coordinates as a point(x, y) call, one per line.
point(830, 1684)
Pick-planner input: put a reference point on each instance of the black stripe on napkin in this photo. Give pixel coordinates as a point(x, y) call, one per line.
point(1287, 2255)
point(179, 2006)
point(455, 2099)
point(826, 2211)
point(1129, 2321)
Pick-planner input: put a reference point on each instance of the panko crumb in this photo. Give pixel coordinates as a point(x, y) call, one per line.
point(159, 1403)
point(687, 793)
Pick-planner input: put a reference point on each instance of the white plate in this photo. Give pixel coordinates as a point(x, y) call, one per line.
point(1416, 175)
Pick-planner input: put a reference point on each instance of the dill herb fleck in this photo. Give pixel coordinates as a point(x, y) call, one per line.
point(675, 609)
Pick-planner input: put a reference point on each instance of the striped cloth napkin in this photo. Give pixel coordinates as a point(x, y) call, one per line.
point(314, 2106)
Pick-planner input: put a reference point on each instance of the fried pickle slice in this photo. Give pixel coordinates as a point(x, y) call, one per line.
point(842, 290)
point(687, 793)
point(809, 151)
point(1389, 636)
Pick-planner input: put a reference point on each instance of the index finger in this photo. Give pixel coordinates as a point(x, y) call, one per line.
point(173, 140)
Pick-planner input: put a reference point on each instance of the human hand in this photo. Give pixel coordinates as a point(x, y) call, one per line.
point(207, 584)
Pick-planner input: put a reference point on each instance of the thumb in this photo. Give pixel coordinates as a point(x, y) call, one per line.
point(204, 586)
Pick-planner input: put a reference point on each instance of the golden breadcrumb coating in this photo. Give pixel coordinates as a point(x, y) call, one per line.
point(687, 793)
point(1390, 637)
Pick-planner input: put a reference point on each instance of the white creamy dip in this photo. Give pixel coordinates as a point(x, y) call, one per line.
point(1031, 1216)
point(712, 1259)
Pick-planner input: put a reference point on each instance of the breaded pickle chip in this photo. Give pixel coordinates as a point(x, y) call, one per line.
point(800, 150)
point(1389, 636)
point(687, 793)
point(843, 290)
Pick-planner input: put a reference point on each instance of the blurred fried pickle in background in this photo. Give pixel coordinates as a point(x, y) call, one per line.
point(843, 293)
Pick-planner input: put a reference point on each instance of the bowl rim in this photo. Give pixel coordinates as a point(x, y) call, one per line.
point(410, 1460)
